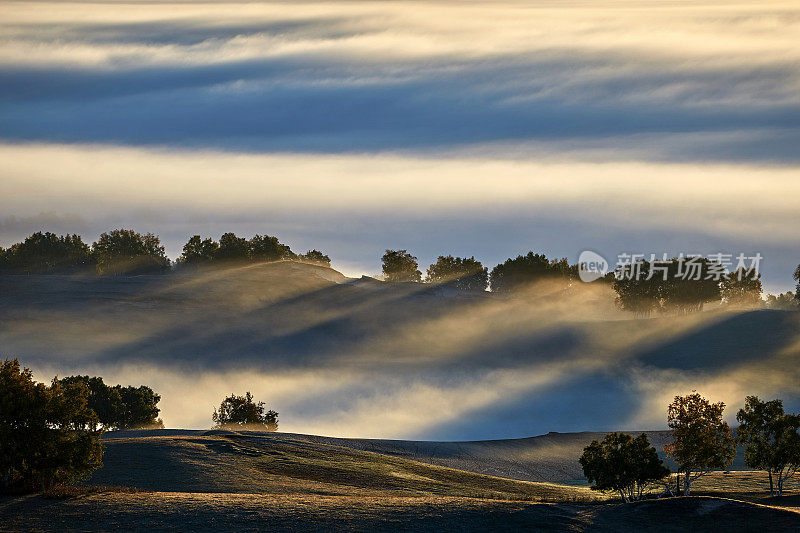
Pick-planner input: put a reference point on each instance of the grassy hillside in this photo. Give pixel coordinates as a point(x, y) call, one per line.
point(225, 481)
point(218, 461)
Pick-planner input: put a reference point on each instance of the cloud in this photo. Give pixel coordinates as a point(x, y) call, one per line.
point(361, 76)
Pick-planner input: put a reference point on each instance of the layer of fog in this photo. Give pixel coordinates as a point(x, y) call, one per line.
point(341, 360)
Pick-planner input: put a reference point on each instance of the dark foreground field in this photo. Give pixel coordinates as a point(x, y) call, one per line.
point(195, 481)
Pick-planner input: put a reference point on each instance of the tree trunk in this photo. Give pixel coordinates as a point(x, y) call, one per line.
point(687, 480)
point(771, 487)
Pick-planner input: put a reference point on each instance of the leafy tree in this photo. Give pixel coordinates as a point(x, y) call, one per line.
point(399, 265)
point(267, 248)
point(637, 289)
point(785, 301)
point(464, 274)
point(623, 464)
point(46, 253)
point(689, 284)
point(124, 251)
point(771, 439)
point(796, 277)
point(120, 407)
point(703, 441)
point(198, 251)
point(742, 288)
point(48, 435)
point(139, 408)
point(316, 257)
point(677, 285)
point(243, 412)
point(232, 248)
point(520, 272)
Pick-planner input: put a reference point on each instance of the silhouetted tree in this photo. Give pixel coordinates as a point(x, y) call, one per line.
point(316, 257)
point(742, 288)
point(232, 248)
point(120, 407)
point(123, 251)
point(678, 285)
point(243, 412)
point(198, 251)
point(465, 274)
point(523, 270)
point(771, 440)
point(46, 253)
point(637, 290)
point(267, 248)
point(690, 284)
point(48, 435)
point(399, 265)
point(703, 441)
point(785, 301)
point(623, 464)
point(796, 277)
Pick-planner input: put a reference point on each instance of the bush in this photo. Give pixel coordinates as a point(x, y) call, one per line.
point(240, 412)
point(48, 435)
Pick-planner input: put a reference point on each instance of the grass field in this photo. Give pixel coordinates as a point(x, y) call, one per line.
point(224, 481)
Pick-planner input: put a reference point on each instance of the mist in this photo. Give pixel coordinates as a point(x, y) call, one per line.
point(337, 358)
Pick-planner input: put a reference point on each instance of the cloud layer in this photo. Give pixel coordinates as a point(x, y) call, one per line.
point(354, 76)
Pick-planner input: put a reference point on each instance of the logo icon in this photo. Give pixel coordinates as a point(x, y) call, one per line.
point(591, 266)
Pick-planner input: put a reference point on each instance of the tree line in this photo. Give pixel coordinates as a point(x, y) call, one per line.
point(654, 288)
point(702, 442)
point(124, 251)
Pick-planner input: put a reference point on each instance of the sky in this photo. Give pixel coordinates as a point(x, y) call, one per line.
point(465, 128)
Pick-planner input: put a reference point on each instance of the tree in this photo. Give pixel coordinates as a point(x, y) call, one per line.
point(198, 251)
point(623, 464)
point(742, 288)
point(46, 253)
point(771, 439)
point(399, 265)
point(267, 248)
point(690, 283)
point(242, 412)
point(232, 248)
point(48, 435)
point(522, 271)
point(785, 301)
point(120, 407)
point(702, 440)
point(638, 291)
point(316, 257)
point(465, 274)
point(123, 251)
point(138, 408)
point(796, 277)
point(679, 285)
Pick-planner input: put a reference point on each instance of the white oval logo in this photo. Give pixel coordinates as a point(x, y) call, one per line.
point(591, 266)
